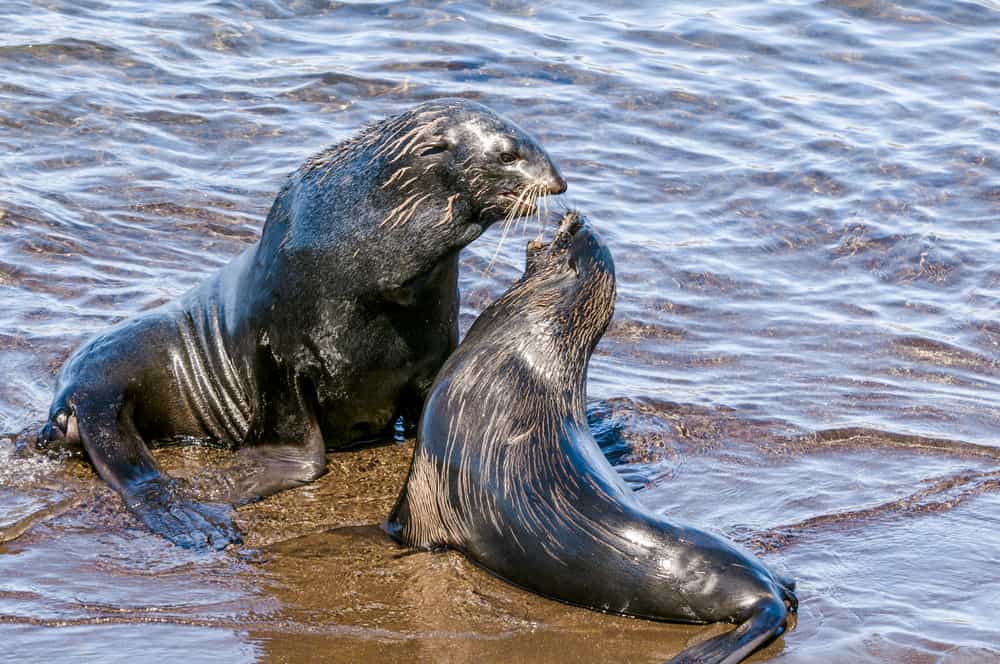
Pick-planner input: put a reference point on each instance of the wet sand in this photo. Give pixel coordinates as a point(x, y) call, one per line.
point(317, 580)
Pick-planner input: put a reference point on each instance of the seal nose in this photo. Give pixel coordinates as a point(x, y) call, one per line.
point(557, 184)
point(570, 223)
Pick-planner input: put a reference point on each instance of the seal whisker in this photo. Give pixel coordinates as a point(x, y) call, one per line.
point(513, 212)
point(536, 196)
point(542, 217)
point(516, 205)
point(533, 192)
point(529, 202)
point(503, 235)
point(542, 212)
point(536, 191)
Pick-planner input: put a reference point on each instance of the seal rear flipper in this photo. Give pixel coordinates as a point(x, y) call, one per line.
point(766, 622)
point(123, 460)
point(285, 448)
point(263, 470)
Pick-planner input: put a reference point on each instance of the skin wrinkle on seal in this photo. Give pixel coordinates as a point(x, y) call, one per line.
point(227, 414)
point(520, 486)
point(320, 335)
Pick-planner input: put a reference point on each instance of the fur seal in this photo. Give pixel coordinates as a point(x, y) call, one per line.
point(507, 471)
point(322, 334)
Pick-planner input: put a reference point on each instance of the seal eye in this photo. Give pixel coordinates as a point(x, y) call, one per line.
point(508, 157)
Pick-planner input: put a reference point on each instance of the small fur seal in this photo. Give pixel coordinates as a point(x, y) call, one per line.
point(507, 471)
point(323, 333)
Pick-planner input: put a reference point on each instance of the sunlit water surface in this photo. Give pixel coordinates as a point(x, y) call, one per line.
point(803, 201)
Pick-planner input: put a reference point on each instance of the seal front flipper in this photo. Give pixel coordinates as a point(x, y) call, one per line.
point(122, 459)
point(160, 505)
point(766, 621)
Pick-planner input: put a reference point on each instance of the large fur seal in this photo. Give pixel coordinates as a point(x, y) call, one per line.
point(507, 471)
point(321, 334)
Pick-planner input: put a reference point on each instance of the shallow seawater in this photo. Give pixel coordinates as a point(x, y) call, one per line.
point(803, 201)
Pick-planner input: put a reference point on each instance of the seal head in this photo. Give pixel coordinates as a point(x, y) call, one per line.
point(566, 297)
point(426, 182)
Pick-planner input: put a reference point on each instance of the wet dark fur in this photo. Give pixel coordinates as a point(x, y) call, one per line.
point(507, 470)
point(321, 334)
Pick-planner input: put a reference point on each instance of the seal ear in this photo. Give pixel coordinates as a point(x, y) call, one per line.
point(434, 148)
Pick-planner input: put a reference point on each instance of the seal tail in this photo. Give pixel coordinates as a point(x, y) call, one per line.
point(766, 622)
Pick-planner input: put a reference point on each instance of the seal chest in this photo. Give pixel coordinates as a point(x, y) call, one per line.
point(507, 471)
